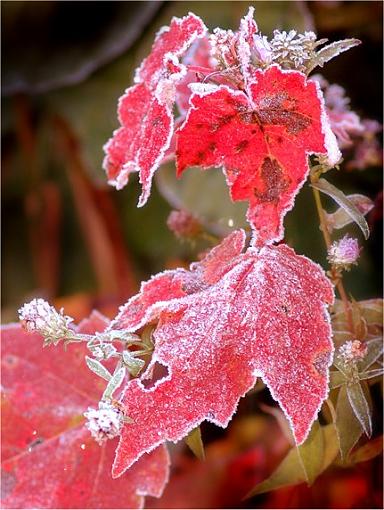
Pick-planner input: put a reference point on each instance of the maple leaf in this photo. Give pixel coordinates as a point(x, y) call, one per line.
point(145, 110)
point(233, 317)
point(49, 459)
point(262, 140)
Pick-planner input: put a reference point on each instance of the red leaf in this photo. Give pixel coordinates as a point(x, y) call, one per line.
point(264, 315)
point(49, 459)
point(262, 141)
point(145, 110)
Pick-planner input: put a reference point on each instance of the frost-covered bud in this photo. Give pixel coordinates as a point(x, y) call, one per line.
point(262, 49)
point(40, 317)
point(183, 224)
point(352, 351)
point(105, 422)
point(223, 48)
point(344, 252)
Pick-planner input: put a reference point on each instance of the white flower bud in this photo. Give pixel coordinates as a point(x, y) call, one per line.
point(105, 422)
point(40, 317)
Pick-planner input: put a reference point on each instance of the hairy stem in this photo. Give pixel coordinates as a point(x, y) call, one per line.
point(328, 242)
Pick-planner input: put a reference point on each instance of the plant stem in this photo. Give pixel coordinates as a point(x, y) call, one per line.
point(328, 242)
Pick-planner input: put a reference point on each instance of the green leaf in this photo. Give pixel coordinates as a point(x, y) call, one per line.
point(195, 443)
point(375, 351)
point(368, 451)
point(331, 51)
point(340, 218)
point(336, 379)
point(98, 368)
point(304, 463)
point(348, 426)
point(341, 199)
point(360, 407)
point(114, 383)
point(370, 374)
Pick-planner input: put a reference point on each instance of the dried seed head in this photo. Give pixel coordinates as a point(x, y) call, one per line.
point(40, 317)
point(344, 252)
point(105, 422)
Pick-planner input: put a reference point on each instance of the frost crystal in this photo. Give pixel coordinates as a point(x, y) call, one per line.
point(39, 316)
point(293, 49)
point(104, 423)
point(344, 252)
point(352, 351)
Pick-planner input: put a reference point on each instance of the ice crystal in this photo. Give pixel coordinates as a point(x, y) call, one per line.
point(105, 422)
point(39, 316)
point(344, 252)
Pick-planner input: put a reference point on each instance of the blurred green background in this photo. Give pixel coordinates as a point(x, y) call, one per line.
point(69, 237)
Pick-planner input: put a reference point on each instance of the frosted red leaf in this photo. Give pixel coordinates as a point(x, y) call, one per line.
point(168, 285)
point(145, 110)
point(262, 140)
point(264, 315)
point(49, 459)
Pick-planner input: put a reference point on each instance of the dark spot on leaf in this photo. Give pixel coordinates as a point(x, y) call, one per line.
point(280, 109)
point(240, 147)
point(212, 146)
point(226, 119)
point(279, 139)
point(10, 361)
point(274, 180)
point(35, 442)
point(253, 132)
point(157, 121)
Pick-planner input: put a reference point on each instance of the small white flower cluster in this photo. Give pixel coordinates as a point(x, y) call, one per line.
point(291, 49)
point(40, 317)
point(105, 422)
point(352, 351)
point(344, 252)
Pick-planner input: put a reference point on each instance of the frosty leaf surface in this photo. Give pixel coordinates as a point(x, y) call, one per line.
point(257, 318)
point(145, 110)
point(262, 140)
point(49, 459)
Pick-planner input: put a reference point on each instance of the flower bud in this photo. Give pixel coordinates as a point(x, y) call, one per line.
point(40, 317)
point(183, 224)
point(344, 252)
point(105, 422)
point(352, 351)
